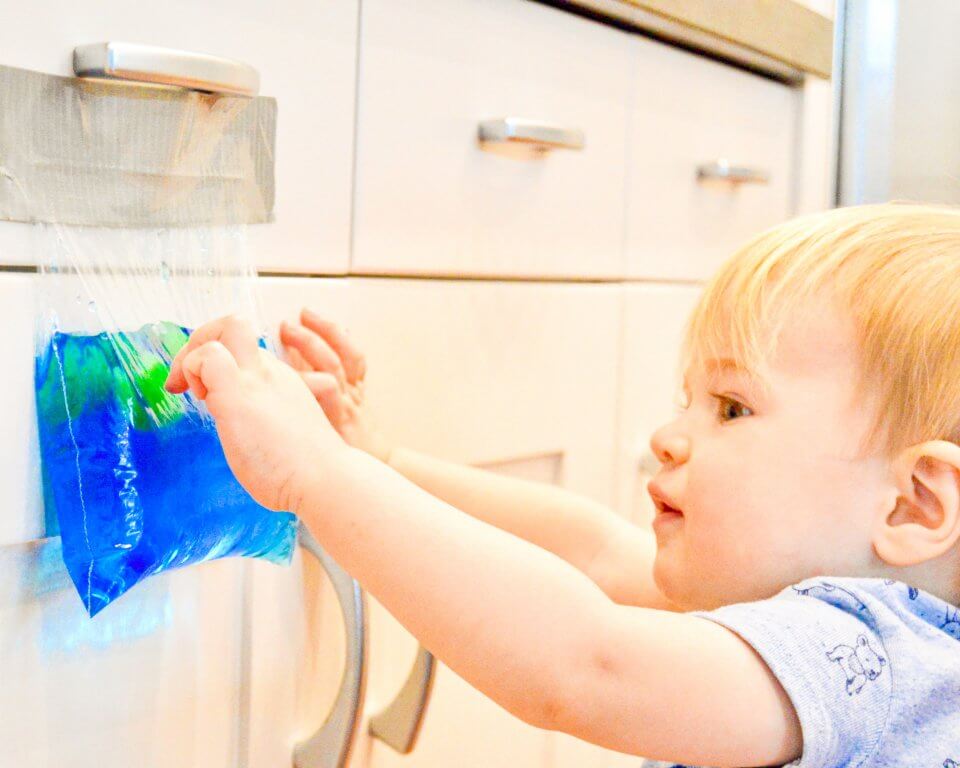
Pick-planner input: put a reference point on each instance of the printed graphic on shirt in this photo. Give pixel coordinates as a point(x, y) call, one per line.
point(948, 763)
point(951, 622)
point(831, 593)
point(859, 663)
point(912, 592)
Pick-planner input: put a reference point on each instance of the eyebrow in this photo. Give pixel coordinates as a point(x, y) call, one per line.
point(717, 365)
point(723, 363)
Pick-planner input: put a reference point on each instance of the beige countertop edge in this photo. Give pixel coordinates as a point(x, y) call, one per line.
point(779, 37)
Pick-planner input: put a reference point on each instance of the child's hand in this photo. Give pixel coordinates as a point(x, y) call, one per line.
point(273, 434)
point(333, 368)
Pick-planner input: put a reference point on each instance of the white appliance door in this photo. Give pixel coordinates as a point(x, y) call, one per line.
point(154, 679)
point(304, 644)
point(516, 377)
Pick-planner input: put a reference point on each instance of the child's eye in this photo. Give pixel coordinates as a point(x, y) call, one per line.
point(729, 409)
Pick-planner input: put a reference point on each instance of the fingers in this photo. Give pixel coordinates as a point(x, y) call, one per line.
point(210, 367)
point(351, 358)
point(326, 389)
point(314, 350)
point(234, 334)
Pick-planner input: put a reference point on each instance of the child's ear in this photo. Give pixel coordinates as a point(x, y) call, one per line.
point(925, 521)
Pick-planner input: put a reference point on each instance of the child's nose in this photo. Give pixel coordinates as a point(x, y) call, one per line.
point(669, 446)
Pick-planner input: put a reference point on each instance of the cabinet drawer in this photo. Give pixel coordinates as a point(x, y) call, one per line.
point(429, 199)
point(21, 504)
point(306, 55)
point(687, 112)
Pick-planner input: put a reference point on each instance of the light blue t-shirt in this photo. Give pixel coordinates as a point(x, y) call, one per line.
point(872, 668)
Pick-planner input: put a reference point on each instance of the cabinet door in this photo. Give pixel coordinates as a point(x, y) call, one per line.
point(154, 679)
point(296, 630)
point(429, 200)
point(686, 210)
point(654, 320)
point(305, 51)
point(518, 378)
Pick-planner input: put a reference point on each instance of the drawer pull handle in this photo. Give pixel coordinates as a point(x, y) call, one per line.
point(541, 136)
point(722, 170)
point(399, 723)
point(331, 745)
point(166, 66)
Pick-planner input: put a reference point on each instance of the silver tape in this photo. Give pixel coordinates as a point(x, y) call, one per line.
point(112, 154)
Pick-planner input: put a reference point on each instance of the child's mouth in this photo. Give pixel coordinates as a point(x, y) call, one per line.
point(665, 509)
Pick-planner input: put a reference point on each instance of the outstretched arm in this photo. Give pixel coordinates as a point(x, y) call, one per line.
point(615, 554)
point(515, 621)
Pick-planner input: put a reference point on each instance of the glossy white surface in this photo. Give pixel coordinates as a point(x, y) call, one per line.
point(519, 378)
point(687, 110)
point(296, 641)
point(654, 319)
point(153, 680)
point(428, 199)
point(306, 55)
point(21, 504)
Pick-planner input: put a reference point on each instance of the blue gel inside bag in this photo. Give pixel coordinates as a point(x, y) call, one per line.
point(136, 477)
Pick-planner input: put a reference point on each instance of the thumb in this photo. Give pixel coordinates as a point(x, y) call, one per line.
point(326, 389)
point(210, 368)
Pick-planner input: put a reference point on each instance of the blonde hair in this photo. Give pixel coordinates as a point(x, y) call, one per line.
point(893, 268)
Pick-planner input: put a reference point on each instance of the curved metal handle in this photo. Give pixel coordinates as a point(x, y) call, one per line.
point(166, 66)
point(330, 746)
point(517, 130)
point(398, 724)
point(722, 170)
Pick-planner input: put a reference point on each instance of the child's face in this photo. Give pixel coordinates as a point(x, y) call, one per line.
point(771, 482)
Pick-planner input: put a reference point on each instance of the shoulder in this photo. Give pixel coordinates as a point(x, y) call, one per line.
point(859, 659)
point(822, 640)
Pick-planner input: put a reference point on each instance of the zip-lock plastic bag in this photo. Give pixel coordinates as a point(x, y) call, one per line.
point(142, 239)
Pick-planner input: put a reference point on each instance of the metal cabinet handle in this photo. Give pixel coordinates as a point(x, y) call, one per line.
point(722, 170)
point(399, 723)
point(330, 746)
point(542, 136)
point(166, 66)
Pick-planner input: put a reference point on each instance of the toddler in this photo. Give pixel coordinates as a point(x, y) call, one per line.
point(796, 601)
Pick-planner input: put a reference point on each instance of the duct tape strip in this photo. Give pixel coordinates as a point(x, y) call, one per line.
point(113, 154)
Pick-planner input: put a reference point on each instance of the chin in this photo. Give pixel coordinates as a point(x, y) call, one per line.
point(668, 575)
point(685, 587)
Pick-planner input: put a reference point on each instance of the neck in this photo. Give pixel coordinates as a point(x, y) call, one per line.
point(939, 577)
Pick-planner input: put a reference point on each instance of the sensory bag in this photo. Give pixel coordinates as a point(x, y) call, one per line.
point(141, 229)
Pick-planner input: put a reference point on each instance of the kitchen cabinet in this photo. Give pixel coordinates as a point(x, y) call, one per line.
point(306, 55)
point(430, 200)
point(712, 153)
point(155, 677)
point(520, 306)
point(653, 324)
point(474, 372)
